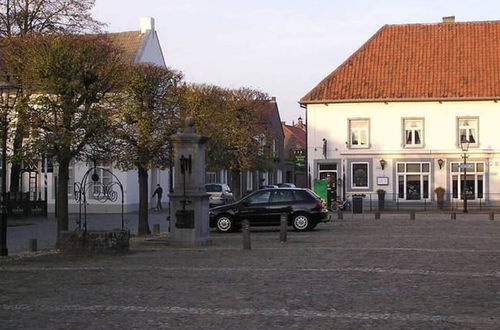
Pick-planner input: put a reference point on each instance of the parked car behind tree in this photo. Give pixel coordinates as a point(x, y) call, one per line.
point(220, 194)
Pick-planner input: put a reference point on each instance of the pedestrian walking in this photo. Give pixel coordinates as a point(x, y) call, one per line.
point(158, 192)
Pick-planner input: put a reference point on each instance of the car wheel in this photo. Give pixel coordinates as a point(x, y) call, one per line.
point(301, 222)
point(224, 224)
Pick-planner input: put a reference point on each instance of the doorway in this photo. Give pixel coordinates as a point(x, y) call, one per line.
point(329, 173)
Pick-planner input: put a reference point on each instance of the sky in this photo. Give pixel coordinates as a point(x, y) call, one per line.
point(281, 47)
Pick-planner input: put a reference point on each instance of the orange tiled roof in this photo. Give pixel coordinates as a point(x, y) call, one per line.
point(419, 61)
point(130, 42)
point(299, 134)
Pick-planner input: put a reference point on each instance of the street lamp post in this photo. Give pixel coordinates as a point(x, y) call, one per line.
point(8, 95)
point(464, 144)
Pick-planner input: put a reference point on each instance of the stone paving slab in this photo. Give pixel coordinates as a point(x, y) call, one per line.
point(350, 274)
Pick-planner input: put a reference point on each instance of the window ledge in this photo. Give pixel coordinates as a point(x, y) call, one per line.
point(362, 147)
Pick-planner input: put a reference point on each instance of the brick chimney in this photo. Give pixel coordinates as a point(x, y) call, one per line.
point(449, 19)
point(300, 124)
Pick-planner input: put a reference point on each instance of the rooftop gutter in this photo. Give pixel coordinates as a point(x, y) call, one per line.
point(456, 99)
point(418, 152)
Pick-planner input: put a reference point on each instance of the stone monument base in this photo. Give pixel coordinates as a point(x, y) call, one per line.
point(94, 242)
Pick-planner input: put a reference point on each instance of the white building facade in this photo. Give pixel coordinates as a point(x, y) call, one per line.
point(418, 144)
point(140, 46)
point(393, 116)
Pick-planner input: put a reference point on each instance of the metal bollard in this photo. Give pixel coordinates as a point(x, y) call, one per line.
point(156, 228)
point(453, 216)
point(340, 215)
point(32, 246)
point(283, 227)
point(412, 215)
point(377, 215)
point(245, 227)
point(492, 216)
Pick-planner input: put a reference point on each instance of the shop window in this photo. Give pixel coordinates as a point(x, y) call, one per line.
point(359, 175)
point(413, 181)
point(473, 185)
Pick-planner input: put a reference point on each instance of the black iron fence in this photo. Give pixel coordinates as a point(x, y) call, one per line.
point(372, 202)
point(25, 205)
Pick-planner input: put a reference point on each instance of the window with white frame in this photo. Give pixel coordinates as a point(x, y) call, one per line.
point(264, 178)
point(71, 178)
point(468, 130)
point(474, 180)
point(261, 142)
point(359, 133)
point(413, 180)
point(210, 177)
point(249, 181)
point(359, 175)
point(105, 177)
point(414, 129)
point(223, 176)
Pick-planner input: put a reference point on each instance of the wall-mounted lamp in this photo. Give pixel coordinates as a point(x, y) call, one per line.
point(382, 163)
point(440, 163)
point(325, 148)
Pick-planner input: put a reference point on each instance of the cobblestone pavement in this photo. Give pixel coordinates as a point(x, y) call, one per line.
point(393, 273)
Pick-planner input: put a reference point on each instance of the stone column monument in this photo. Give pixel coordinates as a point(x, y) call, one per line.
point(189, 202)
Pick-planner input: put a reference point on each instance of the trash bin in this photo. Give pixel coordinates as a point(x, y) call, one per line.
point(357, 203)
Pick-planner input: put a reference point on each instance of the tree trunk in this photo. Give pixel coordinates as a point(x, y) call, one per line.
point(15, 170)
point(236, 184)
point(62, 196)
point(143, 202)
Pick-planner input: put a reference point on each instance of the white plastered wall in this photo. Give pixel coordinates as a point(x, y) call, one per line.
point(330, 122)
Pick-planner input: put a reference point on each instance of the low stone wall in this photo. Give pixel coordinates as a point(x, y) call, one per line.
point(95, 242)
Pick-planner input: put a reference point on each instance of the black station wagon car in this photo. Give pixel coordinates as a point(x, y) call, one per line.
point(264, 207)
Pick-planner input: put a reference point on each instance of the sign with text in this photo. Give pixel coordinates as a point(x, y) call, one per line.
point(382, 181)
point(300, 160)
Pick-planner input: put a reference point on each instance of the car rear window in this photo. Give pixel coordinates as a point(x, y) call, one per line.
point(303, 195)
point(213, 188)
point(314, 194)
